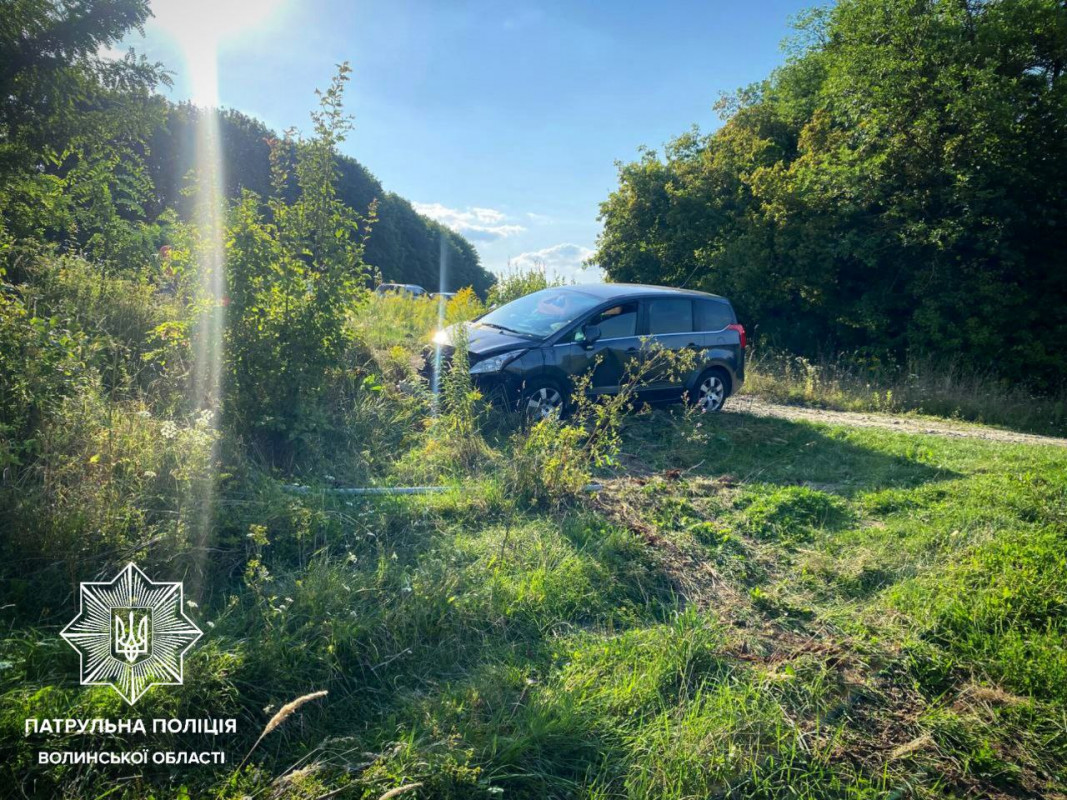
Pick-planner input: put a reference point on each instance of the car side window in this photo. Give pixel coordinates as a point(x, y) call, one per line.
point(670, 315)
point(616, 322)
point(713, 315)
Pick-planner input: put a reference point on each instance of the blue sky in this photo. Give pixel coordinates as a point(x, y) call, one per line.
point(502, 120)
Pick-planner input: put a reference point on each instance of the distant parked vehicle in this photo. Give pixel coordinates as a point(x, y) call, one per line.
point(533, 348)
point(410, 289)
point(443, 295)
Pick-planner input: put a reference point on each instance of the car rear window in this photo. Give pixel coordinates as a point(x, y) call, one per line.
point(713, 315)
point(670, 315)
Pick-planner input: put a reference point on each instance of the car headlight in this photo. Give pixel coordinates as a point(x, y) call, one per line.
point(495, 363)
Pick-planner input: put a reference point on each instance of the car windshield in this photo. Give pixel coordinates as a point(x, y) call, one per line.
point(541, 313)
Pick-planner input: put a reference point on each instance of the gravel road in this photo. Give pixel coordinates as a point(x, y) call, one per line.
point(746, 404)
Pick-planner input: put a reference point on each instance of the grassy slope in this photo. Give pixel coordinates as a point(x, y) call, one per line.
point(802, 612)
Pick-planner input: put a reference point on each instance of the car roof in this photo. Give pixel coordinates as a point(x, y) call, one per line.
point(610, 291)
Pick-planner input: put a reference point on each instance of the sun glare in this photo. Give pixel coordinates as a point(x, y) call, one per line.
point(201, 27)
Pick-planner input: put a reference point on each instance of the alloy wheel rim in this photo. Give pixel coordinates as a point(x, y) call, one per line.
point(712, 394)
point(544, 402)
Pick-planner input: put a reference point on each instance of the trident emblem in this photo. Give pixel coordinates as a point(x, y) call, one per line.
point(131, 633)
point(128, 641)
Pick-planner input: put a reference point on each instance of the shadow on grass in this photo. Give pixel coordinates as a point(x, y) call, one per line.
point(753, 449)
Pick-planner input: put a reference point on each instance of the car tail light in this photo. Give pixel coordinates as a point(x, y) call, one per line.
point(737, 326)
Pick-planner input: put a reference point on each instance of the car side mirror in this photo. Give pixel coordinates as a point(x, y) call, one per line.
point(590, 333)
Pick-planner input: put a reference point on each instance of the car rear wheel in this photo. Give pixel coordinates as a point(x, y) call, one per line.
point(711, 391)
point(542, 400)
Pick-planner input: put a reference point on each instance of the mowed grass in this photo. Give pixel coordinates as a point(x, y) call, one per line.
point(752, 608)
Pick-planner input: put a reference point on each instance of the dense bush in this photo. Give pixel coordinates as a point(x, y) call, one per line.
point(896, 187)
point(41, 362)
point(294, 270)
point(517, 283)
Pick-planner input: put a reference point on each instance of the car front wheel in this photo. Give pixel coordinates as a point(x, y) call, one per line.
point(541, 401)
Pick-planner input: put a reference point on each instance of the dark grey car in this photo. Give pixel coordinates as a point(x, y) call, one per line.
point(531, 349)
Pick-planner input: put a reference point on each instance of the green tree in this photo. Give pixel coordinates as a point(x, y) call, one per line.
point(895, 187)
point(73, 124)
point(294, 270)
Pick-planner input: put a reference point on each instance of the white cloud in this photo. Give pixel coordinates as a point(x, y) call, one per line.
point(565, 260)
point(112, 53)
point(483, 224)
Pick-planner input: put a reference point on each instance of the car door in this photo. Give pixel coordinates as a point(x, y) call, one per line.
point(713, 318)
point(669, 325)
point(607, 357)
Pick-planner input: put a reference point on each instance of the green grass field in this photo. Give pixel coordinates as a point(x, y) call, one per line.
point(750, 608)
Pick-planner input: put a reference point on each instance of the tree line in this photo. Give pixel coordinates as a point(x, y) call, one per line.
point(94, 160)
point(895, 189)
point(404, 246)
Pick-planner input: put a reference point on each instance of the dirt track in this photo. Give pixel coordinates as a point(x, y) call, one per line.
point(746, 404)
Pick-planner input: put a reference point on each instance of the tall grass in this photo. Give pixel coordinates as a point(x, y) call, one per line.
point(937, 388)
point(399, 320)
